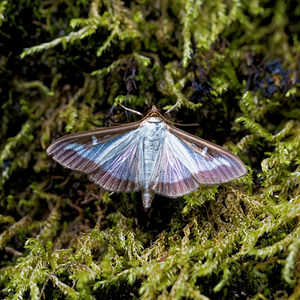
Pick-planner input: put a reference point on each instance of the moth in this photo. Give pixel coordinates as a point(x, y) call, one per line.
point(149, 155)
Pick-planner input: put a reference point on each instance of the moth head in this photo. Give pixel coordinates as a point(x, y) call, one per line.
point(154, 112)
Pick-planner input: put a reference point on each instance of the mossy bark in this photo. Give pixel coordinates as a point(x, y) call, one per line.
point(232, 67)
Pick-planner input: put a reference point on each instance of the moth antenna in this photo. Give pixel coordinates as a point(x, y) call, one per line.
point(178, 124)
point(184, 125)
point(173, 107)
point(131, 110)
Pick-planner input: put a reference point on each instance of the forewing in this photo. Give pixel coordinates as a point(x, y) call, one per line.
point(107, 155)
point(188, 161)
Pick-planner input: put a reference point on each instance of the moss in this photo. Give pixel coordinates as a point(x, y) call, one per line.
point(232, 67)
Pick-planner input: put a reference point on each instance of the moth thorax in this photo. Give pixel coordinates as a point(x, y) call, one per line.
point(147, 196)
point(154, 119)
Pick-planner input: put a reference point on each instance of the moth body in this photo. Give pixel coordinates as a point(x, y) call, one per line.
point(153, 130)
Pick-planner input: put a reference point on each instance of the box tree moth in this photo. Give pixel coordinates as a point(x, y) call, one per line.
point(150, 156)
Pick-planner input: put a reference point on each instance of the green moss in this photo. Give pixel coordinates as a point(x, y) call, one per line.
point(232, 67)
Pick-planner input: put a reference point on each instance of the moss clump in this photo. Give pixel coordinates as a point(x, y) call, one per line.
point(231, 66)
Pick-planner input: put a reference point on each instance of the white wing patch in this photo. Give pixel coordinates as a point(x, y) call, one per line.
point(204, 150)
point(94, 140)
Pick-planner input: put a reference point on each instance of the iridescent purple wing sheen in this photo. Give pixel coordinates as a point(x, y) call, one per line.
point(107, 155)
point(188, 161)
